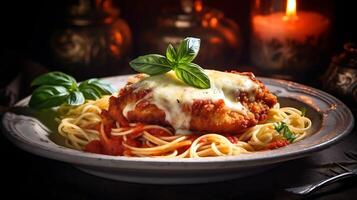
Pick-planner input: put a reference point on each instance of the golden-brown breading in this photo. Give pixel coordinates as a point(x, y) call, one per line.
point(206, 116)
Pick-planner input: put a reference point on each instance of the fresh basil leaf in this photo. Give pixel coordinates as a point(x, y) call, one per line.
point(303, 111)
point(55, 78)
point(96, 86)
point(188, 50)
point(279, 126)
point(89, 92)
point(75, 98)
point(193, 75)
point(171, 54)
point(283, 128)
point(48, 96)
point(152, 64)
point(288, 134)
point(104, 87)
point(92, 89)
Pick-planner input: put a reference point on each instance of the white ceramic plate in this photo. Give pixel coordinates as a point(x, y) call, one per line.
point(331, 119)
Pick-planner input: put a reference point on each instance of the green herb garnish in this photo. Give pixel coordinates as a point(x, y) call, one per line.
point(284, 129)
point(303, 111)
point(178, 59)
point(57, 88)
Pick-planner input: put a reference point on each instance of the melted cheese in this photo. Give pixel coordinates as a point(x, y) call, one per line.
point(170, 93)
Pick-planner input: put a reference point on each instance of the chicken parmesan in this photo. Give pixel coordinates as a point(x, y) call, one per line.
point(235, 102)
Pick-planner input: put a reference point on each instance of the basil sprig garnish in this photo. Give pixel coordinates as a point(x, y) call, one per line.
point(178, 59)
point(57, 88)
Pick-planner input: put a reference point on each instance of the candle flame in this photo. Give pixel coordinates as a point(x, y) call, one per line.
point(290, 10)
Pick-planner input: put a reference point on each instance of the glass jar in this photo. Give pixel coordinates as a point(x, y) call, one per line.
point(289, 39)
point(341, 76)
point(90, 41)
point(220, 36)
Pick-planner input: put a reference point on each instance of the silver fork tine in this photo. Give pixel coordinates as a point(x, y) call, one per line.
point(352, 155)
point(326, 173)
point(334, 171)
point(343, 167)
point(307, 189)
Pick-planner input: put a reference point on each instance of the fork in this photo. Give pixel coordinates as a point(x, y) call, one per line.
point(310, 188)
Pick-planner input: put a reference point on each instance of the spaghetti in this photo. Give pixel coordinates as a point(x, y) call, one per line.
point(86, 127)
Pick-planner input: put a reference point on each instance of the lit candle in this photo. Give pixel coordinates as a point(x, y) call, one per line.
point(288, 39)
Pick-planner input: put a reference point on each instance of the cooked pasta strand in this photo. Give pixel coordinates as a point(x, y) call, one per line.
point(79, 126)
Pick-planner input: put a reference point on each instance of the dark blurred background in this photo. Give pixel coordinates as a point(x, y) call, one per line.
point(27, 28)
